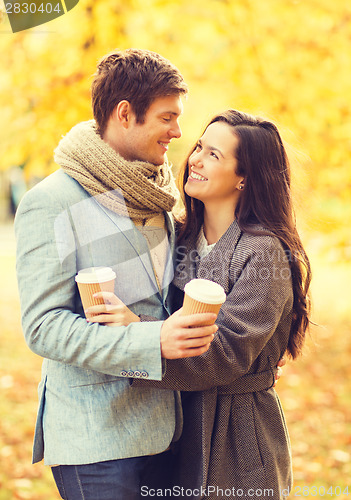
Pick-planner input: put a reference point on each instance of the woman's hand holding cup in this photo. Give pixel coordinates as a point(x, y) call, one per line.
point(113, 312)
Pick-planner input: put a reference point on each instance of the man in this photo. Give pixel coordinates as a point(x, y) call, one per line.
point(108, 205)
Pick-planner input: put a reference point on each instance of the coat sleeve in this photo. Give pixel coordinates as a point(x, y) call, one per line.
point(47, 290)
point(257, 311)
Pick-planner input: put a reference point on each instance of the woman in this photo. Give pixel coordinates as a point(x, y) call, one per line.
point(239, 231)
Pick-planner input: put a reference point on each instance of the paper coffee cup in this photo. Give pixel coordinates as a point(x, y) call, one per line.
point(202, 295)
point(92, 280)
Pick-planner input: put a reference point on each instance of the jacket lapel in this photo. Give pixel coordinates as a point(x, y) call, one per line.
point(128, 229)
point(215, 266)
point(186, 259)
point(169, 264)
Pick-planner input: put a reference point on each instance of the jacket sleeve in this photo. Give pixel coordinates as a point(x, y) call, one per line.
point(257, 311)
point(47, 291)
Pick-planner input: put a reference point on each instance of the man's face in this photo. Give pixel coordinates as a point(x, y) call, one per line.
point(149, 141)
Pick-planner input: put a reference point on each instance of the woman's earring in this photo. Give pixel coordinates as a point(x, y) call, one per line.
point(241, 186)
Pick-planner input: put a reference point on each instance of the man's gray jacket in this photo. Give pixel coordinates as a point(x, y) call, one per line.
point(88, 411)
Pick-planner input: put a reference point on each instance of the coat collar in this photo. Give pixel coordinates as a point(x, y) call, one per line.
point(129, 230)
point(215, 266)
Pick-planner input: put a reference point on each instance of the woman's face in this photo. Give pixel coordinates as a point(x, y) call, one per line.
point(212, 166)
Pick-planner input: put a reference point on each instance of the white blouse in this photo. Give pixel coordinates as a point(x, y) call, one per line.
point(202, 247)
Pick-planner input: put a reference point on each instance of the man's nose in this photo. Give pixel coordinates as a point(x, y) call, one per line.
point(176, 131)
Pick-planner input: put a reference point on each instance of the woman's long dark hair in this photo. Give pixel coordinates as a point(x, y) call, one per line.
point(266, 199)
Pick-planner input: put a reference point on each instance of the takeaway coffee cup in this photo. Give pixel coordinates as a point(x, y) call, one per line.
point(92, 280)
point(202, 295)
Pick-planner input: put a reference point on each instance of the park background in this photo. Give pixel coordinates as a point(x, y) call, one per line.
point(287, 60)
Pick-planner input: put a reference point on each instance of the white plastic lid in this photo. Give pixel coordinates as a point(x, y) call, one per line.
point(206, 291)
point(95, 275)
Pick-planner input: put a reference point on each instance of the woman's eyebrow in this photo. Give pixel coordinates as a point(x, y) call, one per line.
point(212, 148)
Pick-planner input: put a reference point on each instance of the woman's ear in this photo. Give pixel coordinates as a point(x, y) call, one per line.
point(241, 184)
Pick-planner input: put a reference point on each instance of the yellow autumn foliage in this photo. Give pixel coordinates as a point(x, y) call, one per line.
point(288, 61)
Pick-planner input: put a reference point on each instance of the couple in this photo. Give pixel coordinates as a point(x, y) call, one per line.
point(110, 412)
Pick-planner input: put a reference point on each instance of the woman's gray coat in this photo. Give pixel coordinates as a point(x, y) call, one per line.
point(234, 436)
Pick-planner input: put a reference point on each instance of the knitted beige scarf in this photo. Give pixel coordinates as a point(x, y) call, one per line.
point(136, 189)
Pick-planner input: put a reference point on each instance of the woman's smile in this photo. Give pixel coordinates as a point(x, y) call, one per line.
point(195, 176)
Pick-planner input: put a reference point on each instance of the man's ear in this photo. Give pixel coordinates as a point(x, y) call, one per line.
point(122, 113)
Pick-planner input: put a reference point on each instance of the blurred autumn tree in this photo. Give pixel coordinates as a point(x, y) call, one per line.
point(288, 61)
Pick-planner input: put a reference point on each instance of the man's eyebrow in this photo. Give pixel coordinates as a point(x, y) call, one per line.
point(169, 113)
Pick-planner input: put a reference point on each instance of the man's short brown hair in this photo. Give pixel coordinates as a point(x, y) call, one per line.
point(137, 76)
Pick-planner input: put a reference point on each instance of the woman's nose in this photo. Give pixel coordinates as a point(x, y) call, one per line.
point(195, 159)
